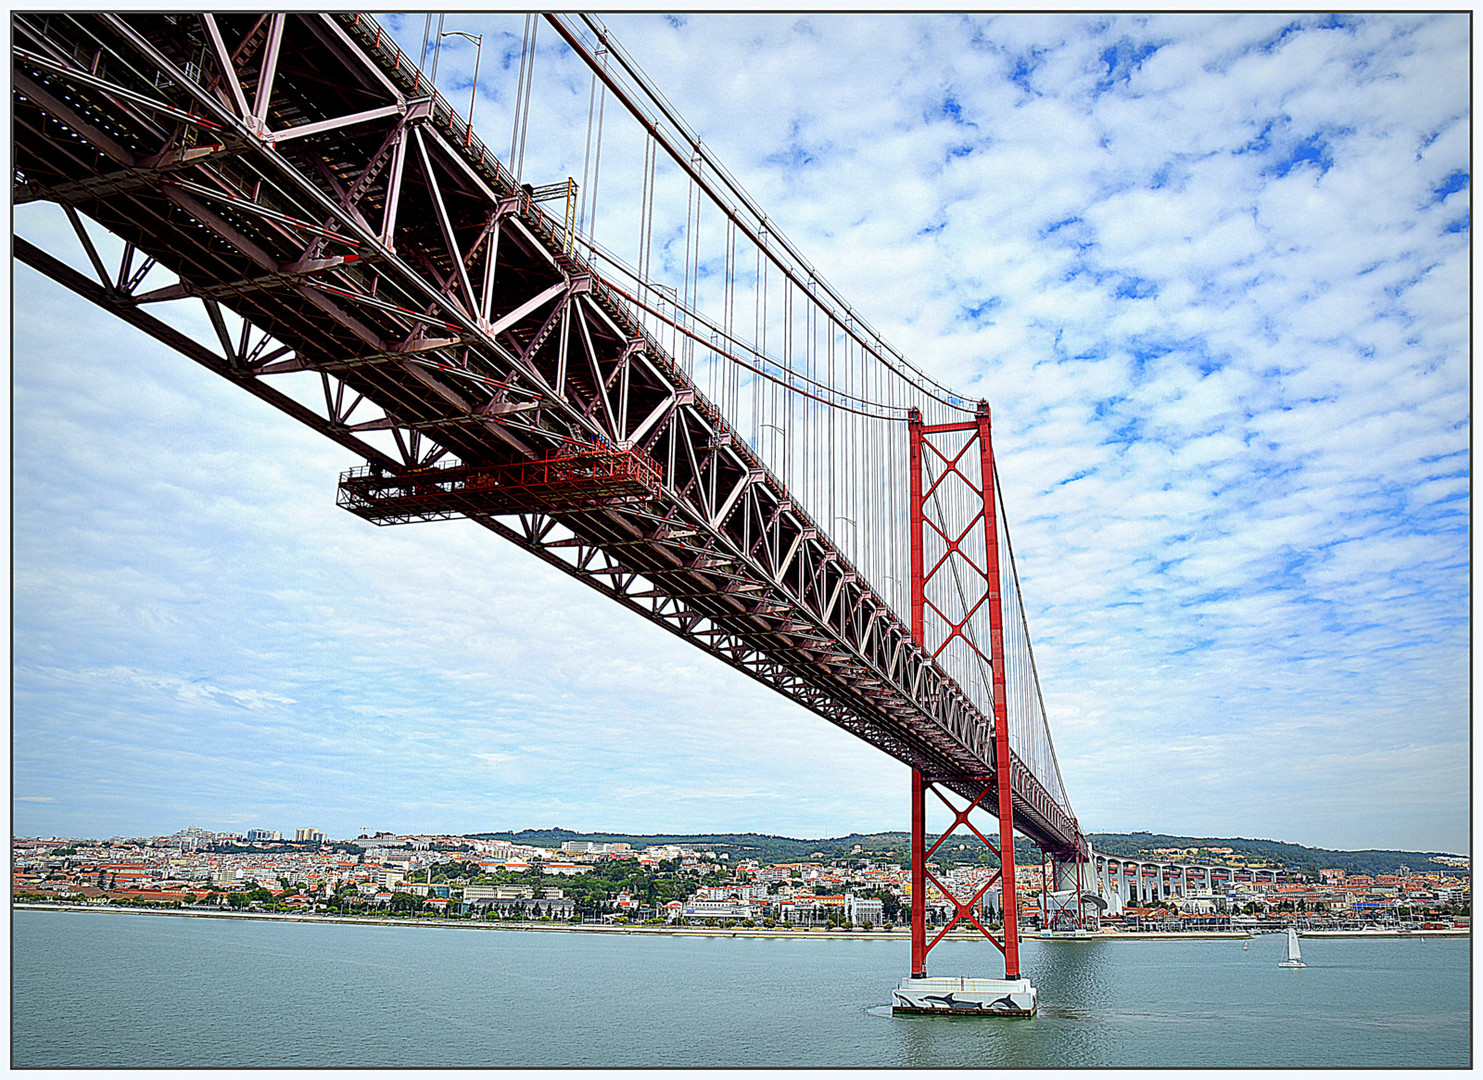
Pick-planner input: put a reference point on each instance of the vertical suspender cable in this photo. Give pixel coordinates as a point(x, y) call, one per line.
point(728, 311)
point(878, 523)
point(851, 449)
point(881, 526)
point(772, 386)
point(736, 374)
point(685, 280)
point(602, 99)
point(587, 164)
point(865, 515)
point(1054, 766)
point(530, 78)
point(757, 337)
point(829, 434)
point(641, 260)
point(519, 94)
point(692, 256)
point(790, 480)
point(802, 438)
point(432, 74)
point(893, 566)
point(646, 214)
point(798, 431)
point(522, 96)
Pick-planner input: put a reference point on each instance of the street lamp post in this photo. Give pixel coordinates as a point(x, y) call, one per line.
point(853, 524)
point(478, 40)
point(784, 433)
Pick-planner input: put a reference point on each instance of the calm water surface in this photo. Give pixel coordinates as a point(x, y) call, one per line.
point(106, 989)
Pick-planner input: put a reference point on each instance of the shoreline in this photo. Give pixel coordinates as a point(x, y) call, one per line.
point(459, 924)
point(705, 931)
point(1147, 935)
point(1456, 931)
point(1227, 935)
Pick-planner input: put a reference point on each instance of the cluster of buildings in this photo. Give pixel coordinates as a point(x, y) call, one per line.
point(182, 869)
point(1334, 898)
point(1339, 892)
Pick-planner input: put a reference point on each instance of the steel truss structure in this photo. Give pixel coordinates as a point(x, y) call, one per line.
point(577, 480)
point(295, 175)
point(1069, 875)
point(957, 544)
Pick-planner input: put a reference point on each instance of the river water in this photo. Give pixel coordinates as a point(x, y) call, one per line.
point(98, 989)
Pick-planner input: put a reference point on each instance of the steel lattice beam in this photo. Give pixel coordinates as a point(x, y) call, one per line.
point(304, 179)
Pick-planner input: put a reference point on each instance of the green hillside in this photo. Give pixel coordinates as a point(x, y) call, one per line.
point(963, 847)
point(1293, 856)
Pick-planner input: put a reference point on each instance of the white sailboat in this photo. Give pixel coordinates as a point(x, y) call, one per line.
point(1294, 954)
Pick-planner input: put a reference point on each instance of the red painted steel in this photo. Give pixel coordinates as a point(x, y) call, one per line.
point(1003, 762)
point(918, 876)
point(918, 788)
point(577, 479)
point(986, 517)
point(918, 580)
point(961, 908)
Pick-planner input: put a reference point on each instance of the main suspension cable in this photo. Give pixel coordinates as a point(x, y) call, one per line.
point(692, 336)
point(700, 158)
point(882, 410)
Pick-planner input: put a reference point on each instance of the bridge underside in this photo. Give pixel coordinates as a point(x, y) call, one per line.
point(368, 267)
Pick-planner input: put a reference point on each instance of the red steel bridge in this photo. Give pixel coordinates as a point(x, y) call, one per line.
point(718, 442)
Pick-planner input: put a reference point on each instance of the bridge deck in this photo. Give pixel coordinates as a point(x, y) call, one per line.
point(365, 236)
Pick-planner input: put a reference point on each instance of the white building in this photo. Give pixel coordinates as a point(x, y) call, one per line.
point(719, 909)
point(565, 869)
point(862, 909)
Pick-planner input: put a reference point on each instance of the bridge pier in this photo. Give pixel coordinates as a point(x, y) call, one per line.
point(1073, 897)
point(918, 876)
point(920, 993)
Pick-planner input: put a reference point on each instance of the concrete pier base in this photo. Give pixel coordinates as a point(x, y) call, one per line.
point(949, 996)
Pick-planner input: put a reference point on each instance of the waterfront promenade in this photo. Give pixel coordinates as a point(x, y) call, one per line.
point(793, 933)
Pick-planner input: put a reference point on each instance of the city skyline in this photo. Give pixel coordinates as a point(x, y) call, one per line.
point(1211, 272)
point(266, 834)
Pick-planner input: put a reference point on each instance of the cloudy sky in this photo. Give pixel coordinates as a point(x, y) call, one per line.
point(1212, 273)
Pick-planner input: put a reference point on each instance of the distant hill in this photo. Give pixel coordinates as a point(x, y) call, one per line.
point(736, 846)
point(895, 846)
point(1294, 856)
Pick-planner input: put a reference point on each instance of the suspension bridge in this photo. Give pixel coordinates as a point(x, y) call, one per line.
point(698, 426)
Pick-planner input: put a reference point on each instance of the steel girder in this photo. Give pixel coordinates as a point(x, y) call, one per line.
point(297, 173)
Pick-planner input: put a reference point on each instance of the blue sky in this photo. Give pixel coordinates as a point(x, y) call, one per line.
point(1211, 271)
